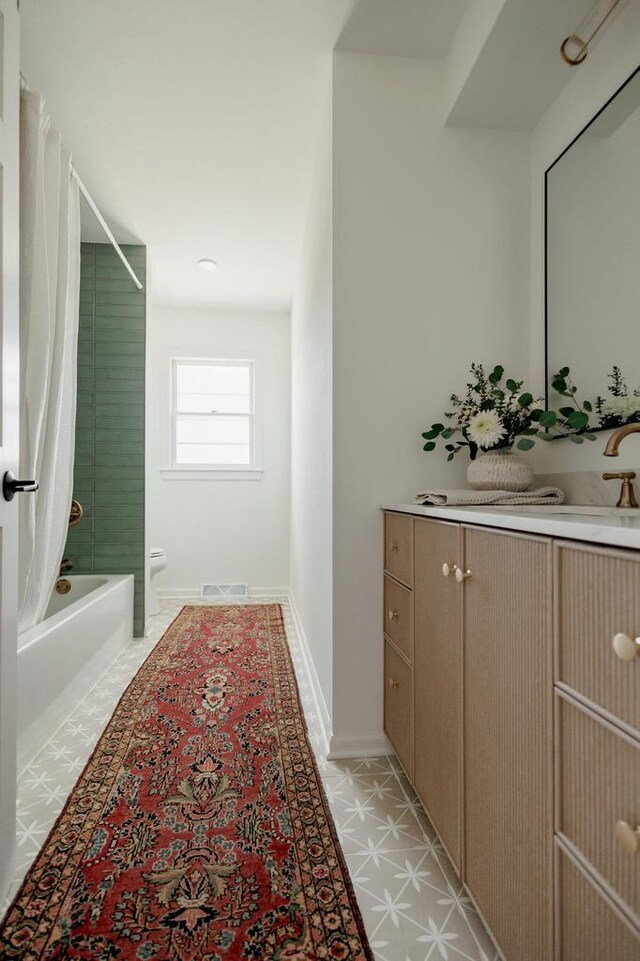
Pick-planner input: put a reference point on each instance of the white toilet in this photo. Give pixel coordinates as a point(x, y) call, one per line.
point(157, 562)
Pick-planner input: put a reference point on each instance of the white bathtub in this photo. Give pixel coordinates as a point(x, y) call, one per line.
point(61, 658)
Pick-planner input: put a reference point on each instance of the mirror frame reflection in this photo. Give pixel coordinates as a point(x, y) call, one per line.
point(552, 399)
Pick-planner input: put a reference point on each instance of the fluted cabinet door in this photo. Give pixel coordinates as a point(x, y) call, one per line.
point(508, 736)
point(438, 680)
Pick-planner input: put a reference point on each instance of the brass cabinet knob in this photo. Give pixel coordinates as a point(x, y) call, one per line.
point(462, 576)
point(393, 682)
point(449, 569)
point(394, 615)
point(393, 546)
point(625, 647)
point(628, 837)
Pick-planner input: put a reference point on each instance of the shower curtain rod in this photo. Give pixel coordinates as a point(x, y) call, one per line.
point(103, 223)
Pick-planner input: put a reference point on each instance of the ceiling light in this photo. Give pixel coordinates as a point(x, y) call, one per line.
point(206, 264)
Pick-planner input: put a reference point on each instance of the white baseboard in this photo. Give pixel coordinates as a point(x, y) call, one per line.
point(180, 593)
point(321, 705)
point(195, 593)
point(374, 744)
point(269, 592)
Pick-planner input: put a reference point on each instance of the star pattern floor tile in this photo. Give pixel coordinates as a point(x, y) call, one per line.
point(413, 906)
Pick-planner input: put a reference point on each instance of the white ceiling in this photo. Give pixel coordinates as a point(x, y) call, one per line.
point(194, 126)
point(403, 28)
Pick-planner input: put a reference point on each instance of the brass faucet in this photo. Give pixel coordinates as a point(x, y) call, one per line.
point(66, 566)
point(611, 450)
point(627, 494)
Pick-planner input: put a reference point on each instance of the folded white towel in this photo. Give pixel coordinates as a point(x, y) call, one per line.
point(467, 498)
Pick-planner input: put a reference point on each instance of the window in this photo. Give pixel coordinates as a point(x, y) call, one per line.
point(212, 414)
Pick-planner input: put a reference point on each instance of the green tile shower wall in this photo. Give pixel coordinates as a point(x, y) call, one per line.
point(109, 461)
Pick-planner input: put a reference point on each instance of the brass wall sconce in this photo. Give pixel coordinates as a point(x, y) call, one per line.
point(575, 48)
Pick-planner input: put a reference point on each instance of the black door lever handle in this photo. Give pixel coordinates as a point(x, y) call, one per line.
point(12, 486)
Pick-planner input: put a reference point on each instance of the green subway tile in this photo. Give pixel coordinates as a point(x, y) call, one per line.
point(116, 565)
point(109, 472)
point(81, 559)
point(121, 519)
point(83, 470)
point(84, 441)
point(85, 336)
point(120, 336)
point(120, 387)
point(107, 271)
point(109, 258)
point(124, 436)
point(121, 410)
point(108, 498)
point(128, 453)
point(103, 526)
point(124, 421)
point(120, 354)
point(86, 383)
point(127, 318)
point(132, 298)
point(117, 285)
point(133, 376)
point(110, 399)
point(124, 485)
point(113, 538)
point(78, 540)
point(82, 487)
point(83, 421)
point(85, 399)
point(119, 550)
point(120, 508)
point(120, 458)
point(131, 358)
point(83, 460)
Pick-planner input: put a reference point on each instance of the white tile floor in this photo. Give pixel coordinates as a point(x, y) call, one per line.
point(413, 906)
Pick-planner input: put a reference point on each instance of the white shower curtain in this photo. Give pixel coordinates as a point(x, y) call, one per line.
point(49, 314)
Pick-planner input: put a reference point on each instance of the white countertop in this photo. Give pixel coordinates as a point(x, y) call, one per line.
point(621, 530)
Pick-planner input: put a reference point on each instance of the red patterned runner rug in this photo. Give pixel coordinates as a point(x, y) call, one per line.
point(198, 830)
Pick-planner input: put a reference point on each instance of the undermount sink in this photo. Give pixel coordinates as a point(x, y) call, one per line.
point(580, 510)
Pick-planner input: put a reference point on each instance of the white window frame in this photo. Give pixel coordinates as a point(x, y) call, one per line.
point(229, 471)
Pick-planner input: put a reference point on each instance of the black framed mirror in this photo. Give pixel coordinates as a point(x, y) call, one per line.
point(592, 262)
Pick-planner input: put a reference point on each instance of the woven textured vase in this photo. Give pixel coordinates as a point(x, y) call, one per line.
point(499, 470)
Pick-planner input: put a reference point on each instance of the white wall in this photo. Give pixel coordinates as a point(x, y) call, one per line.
point(311, 438)
point(606, 68)
point(221, 531)
point(431, 229)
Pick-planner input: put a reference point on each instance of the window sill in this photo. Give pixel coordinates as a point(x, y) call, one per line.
point(211, 473)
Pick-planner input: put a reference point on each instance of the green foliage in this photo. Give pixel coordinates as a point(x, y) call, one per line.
point(513, 417)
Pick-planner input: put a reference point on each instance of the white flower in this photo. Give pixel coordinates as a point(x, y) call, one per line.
point(622, 406)
point(486, 429)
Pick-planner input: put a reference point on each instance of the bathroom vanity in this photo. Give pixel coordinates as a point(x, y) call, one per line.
point(517, 718)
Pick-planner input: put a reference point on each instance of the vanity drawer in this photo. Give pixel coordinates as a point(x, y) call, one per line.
point(398, 616)
point(597, 597)
point(398, 547)
point(398, 705)
point(589, 928)
point(599, 786)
